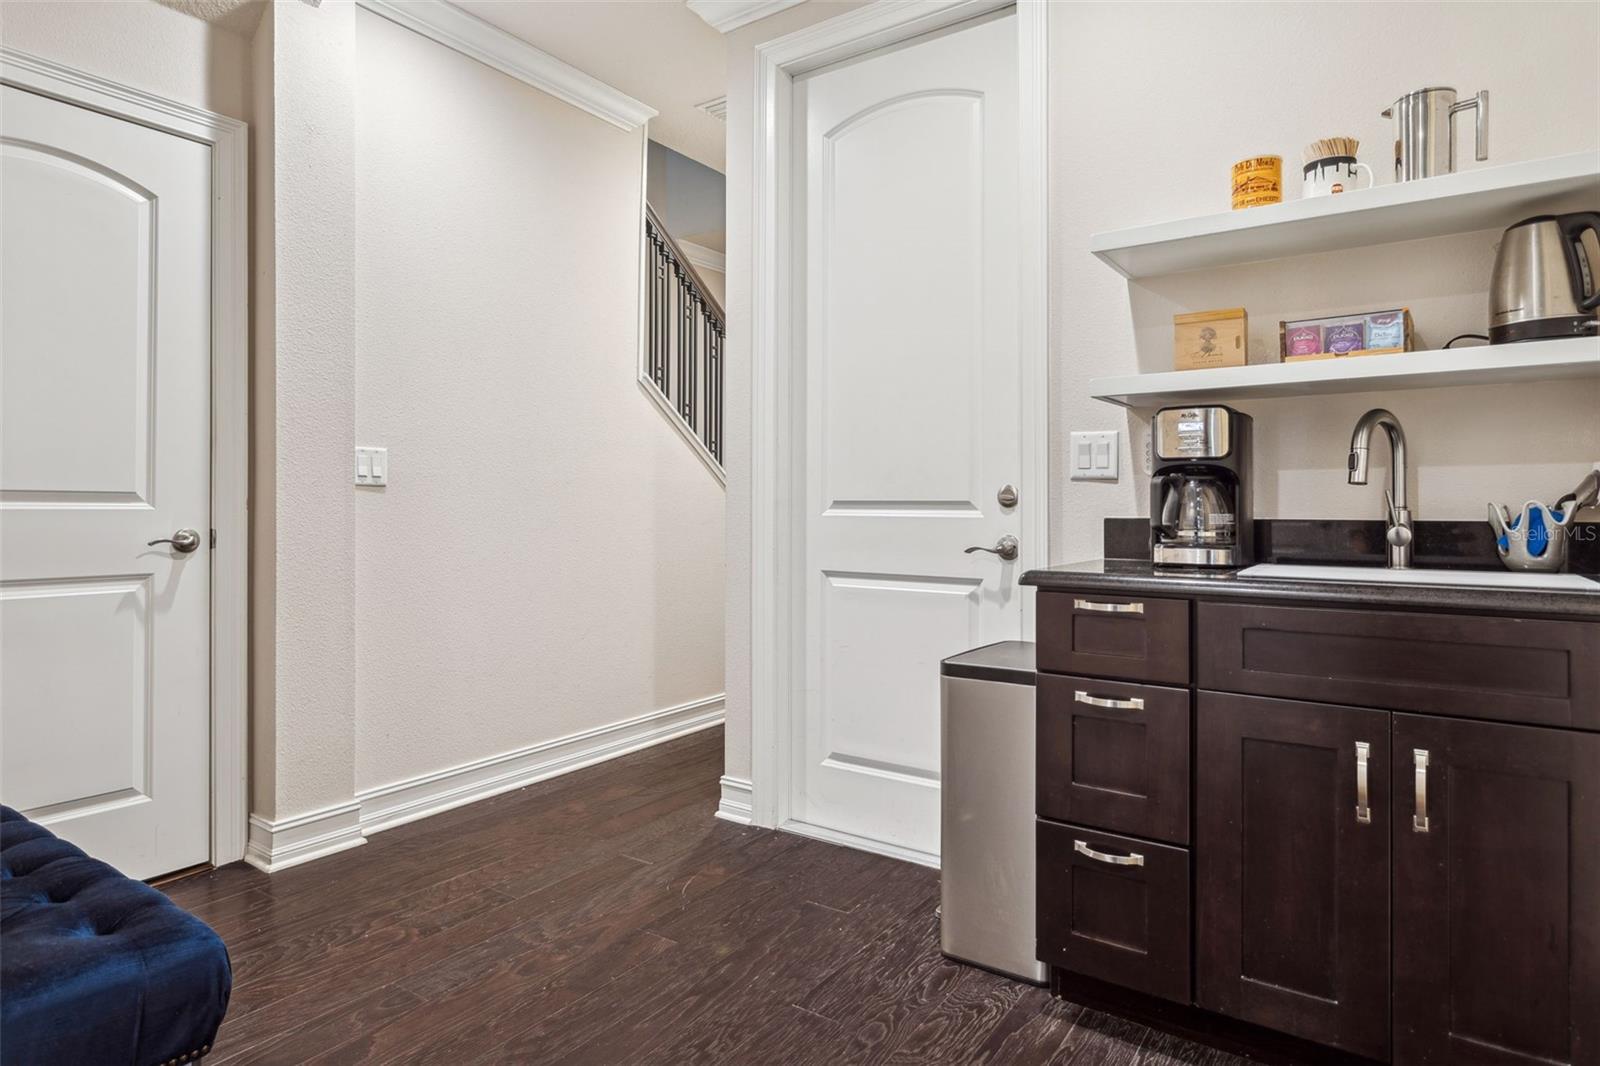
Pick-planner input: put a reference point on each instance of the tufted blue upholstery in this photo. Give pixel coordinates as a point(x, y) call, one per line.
point(96, 967)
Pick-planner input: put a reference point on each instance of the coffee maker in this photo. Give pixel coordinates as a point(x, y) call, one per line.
point(1200, 488)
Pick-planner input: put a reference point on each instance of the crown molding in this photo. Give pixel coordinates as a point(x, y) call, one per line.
point(717, 107)
point(725, 16)
point(509, 54)
point(702, 258)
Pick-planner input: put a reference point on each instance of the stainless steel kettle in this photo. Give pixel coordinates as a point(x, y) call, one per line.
point(1545, 278)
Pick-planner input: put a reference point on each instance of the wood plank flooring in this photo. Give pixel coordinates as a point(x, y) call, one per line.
point(607, 917)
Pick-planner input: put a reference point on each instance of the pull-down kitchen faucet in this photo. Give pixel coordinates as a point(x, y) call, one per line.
point(1397, 531)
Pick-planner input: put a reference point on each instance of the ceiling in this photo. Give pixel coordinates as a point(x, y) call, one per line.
point(657, 51)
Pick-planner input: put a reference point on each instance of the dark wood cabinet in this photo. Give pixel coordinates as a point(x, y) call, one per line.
point(1514, 669)
point(1133, 638)
point(1114, 756)
point(1496, 893)
point(1392, 819)
point(1292, 861)
point(1115, 908)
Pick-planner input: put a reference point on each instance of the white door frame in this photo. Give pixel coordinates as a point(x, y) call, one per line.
point(230, 404)
point(777, 515)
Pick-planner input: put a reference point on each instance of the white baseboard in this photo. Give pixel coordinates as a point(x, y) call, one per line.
point(735, 805)
point(850, 840)
point(405, 801)
point(278, 845)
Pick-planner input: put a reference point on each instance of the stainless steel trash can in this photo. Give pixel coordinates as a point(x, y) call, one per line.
point(987, 798)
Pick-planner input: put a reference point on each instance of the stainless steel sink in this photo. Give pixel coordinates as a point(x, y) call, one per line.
point(1502, 579)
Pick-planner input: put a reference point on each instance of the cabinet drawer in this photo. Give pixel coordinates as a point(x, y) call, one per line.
point(1136, 638)
point(1539, 672)
point(1114, 756)
point(1114, 908)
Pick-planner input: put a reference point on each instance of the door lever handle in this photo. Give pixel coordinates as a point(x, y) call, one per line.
point(1006, 547)
point(183, 541)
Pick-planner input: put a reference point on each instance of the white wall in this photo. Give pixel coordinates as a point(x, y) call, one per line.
point(1135, 142)
point(303, 581)
point(1150, 105)
point(547, 556)
point(144, 45)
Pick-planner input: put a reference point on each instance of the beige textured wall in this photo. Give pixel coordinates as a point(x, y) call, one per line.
point(548, 554)
point(303, 555)
point(137, 43)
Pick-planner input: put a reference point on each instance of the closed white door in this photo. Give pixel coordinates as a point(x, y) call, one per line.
point(105, 348)
point(913, 413)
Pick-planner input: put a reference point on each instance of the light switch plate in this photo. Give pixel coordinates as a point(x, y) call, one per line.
point(1095, 456)
point(372, 466)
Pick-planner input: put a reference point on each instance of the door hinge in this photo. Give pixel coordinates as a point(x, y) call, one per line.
point(213, 538)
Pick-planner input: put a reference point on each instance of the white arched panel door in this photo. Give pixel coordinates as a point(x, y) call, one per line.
point(913, 414)
point(105, 354)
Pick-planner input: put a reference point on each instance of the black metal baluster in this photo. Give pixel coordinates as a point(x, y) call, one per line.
point(685, 328)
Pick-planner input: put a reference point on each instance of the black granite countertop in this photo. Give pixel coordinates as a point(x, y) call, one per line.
point(1138, 577)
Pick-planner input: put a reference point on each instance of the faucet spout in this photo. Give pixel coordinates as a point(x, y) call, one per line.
point(1397, 517)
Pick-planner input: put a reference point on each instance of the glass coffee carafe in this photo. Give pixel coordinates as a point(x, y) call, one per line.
point(1197, 511)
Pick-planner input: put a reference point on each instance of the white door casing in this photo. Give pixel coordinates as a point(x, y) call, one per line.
point(122, 716)
point(910, 344)
point(780, 578)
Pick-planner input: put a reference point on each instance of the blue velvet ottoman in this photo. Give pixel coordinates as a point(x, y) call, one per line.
point(97, 968)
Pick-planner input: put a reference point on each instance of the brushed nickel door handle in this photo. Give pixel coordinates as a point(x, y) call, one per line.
point(1363, 809)
point(1006, 547)
point(183, 541)
point(1419, 819)
point(1108, 608)
point(1133, 858)
point(1132, 704)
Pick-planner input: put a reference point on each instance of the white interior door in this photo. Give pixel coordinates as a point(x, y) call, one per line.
point(105, 342)
point(910, 336)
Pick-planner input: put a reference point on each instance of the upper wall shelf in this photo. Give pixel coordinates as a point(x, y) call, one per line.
point(1572, 358)
point(1487, 198)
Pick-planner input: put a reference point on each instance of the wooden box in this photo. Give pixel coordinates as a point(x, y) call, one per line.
point(1210, 338)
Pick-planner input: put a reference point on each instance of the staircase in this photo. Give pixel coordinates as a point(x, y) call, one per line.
point(684, 330)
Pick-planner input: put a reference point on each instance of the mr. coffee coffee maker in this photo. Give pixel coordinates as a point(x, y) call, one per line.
point(1200, 488)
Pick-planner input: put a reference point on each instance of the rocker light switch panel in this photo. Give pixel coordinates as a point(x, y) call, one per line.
point(1095, 455)
point(372, 466)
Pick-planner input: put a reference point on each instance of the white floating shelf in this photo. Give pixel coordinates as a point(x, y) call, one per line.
point(1486, 198)
point(1552, 360)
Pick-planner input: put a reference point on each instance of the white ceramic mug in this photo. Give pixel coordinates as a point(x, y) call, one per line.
point(1331, 175)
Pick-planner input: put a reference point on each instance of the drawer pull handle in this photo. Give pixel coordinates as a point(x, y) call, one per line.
point(1133, 858)
point(1419, 820)
point(1132, 704)
point(1108, 608)
point(1363, 810)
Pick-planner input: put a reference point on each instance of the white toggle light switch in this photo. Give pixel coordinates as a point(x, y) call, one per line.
point(1095, 455)
point(372, 466)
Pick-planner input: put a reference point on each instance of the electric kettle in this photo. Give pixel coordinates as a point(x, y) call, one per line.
point(1545, 279)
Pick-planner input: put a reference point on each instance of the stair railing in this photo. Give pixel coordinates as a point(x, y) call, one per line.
point(684, 332)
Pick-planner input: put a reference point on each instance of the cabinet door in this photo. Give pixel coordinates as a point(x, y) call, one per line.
point(1292, 859)
point(1496, 893)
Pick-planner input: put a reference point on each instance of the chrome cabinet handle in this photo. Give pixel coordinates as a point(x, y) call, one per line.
point(1133, 858)
point(183, 541)
point(1419, 820)
point(1132, 704)
point(1108, 608)
point(1363, 810)
point(1006, 547)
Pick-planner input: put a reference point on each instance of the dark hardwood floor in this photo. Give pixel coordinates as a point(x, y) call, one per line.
point(607, 917)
